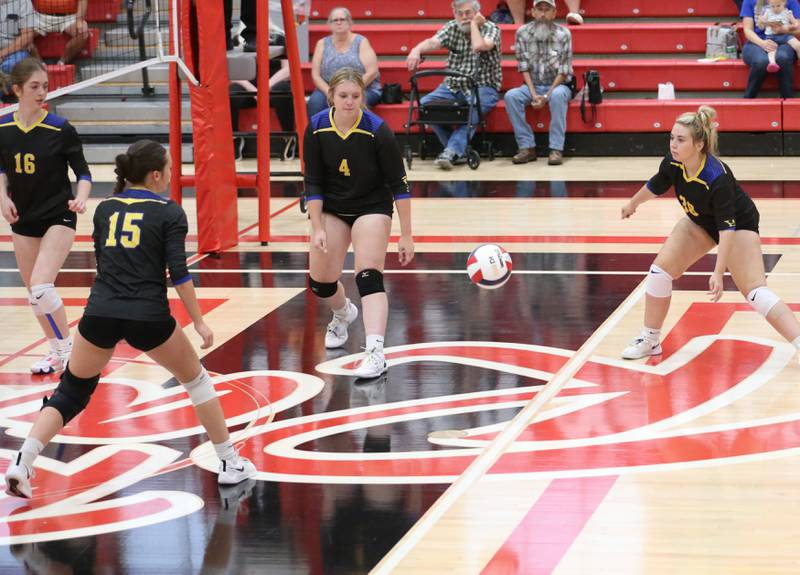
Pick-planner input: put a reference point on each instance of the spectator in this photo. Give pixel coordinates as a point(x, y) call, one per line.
point(343, 49)
point(68, 18)
point(758, 45)
point(544, 57)
point(17, 23)
point(776, 15)
point(517, 9)
point(473, 45)
point(247, 15)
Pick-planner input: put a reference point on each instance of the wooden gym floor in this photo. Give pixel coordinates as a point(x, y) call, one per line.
point(507, 436)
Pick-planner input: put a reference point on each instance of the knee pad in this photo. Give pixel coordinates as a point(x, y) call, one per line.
point(658, 283)
point(762, 299)
point(322, 289)
point(369, 281)
point(72, 395)
point(44, 299)
point(200, 389)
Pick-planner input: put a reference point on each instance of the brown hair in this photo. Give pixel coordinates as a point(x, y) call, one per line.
point(342, 75)
point(141, 158)
point(702, 127)
point(24, 69)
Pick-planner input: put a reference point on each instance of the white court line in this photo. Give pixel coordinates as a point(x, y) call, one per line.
point(423, 271)
point(505, 439)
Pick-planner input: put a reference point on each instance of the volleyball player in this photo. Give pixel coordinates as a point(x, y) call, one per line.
point(36, 148)
point(718, 212)
point(353, 174)
point(137, 235)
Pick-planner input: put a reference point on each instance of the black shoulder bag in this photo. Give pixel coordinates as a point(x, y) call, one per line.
point(593, 92)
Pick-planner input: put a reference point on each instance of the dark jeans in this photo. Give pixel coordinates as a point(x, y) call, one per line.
point(756, 57)
point(280, 99)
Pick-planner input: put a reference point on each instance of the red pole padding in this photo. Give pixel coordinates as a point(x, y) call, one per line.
point(175, 130)
point(298, 90)
point(263, 133)
point(215, 175)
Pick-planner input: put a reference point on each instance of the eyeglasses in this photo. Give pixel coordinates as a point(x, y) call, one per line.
point(337, 20)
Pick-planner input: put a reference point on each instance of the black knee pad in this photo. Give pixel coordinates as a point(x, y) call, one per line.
point(322, 289)
point(72, 395)
point(369, 281)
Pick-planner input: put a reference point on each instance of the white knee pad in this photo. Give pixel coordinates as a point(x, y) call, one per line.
point(659, 282)
point(200, 389)
point(44, 299)
point(762, 299)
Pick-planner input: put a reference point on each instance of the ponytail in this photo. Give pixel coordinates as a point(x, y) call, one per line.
point(702, 127)
point(141, 158)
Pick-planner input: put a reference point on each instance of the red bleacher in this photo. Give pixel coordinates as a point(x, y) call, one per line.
point(644, 38)
point(59, 76)
point(52, 45)
point(441, 9)
point(96, 11)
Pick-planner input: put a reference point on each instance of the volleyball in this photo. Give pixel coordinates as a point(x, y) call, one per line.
point(489, 266)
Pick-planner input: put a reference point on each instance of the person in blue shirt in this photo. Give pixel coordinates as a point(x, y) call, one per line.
point(758, 45)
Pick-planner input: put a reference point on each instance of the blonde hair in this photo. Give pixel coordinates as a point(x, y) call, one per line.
point(343, 75)
point(702, 127)
point(347, 15)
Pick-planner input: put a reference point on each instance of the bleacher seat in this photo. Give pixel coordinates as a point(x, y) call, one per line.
point(60, 75)
point(52, 45)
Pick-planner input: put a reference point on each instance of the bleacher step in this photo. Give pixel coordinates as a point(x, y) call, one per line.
point(118, 111)
point(106, 153)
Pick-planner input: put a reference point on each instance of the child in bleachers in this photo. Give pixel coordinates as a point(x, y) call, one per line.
point(776, 14)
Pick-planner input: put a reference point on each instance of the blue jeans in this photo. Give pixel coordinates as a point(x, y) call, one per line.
point(455, 138)
point(756, 57)
point(518, 100)
point(318, 101)
point(8, 63)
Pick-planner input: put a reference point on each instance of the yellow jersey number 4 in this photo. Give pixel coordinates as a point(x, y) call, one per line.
point(130, 235)
point(344, 168)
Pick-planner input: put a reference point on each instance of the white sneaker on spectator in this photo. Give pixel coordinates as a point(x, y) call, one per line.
point(574, 18)
point(18, 479)
point(336, 333)
point(53, 362)
point(373, 365)
point(236, 471)
point(641, 347)
point(445, 160)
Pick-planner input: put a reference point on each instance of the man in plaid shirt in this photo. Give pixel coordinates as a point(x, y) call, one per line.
point(544, 57)
point(473, 45)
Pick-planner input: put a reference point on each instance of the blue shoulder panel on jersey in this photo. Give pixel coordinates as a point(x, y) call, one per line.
point(712, 170)
point(7, 118)
point(370, 122)
point(321, 120)
point(54, 121)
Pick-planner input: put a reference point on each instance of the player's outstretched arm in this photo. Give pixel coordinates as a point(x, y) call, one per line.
point(640, 197)
point(189, 298)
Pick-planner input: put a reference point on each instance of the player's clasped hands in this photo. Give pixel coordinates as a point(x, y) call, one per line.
point(715, 286)
point(405, 250)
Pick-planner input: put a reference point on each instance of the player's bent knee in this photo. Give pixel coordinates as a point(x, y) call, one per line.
point(369, 281)
point(658, 283)
point(72, 395)
point(762, 299)
point(201, 388)
point(44, 299)
point(322, 289)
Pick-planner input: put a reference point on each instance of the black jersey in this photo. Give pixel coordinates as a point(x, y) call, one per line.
point(35, 160)
point(712, 198)
point(137, 236)
point(354, 171)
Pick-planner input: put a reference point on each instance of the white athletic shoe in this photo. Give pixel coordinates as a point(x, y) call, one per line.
point(18, 479)
point(574, 18)
point(233, 472)
point(641, 347)
point(373, 365)
point(53, 362)
point(336, 334)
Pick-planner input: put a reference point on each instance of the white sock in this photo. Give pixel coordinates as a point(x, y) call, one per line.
point(375, 342)
point(652, 334)
point(53, 343)
point(225, 451)
point(30, 450)
point(64, 345)
point(342, 313)
point(796, 342)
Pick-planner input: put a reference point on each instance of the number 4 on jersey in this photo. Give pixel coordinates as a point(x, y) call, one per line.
point(131, 233)
point(344, 168)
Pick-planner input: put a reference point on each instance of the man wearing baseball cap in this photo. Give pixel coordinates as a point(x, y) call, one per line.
point(544, 57)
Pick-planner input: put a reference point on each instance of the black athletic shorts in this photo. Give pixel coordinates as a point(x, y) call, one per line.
point(747, 222)
point(39, 229)
point(106, 332)
point(350, 218)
